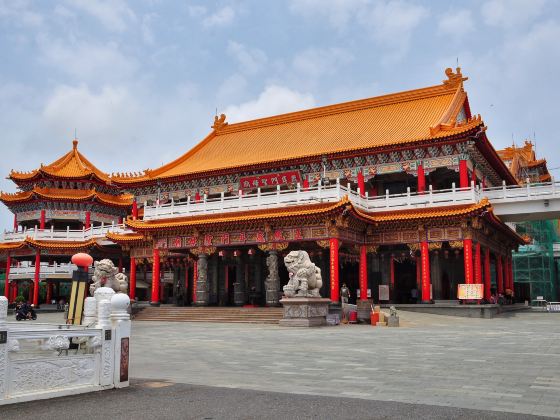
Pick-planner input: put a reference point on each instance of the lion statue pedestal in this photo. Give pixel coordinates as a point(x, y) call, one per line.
point(302, 302)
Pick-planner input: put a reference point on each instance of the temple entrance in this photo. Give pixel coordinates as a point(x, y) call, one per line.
point(349, 274)
point(405, 280)
point(230, 276)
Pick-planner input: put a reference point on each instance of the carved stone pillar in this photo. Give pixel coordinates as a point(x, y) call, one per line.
point(239, 295)
point(272, 282)
point(202, 293)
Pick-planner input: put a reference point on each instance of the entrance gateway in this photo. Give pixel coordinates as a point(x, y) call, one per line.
point(353, 184)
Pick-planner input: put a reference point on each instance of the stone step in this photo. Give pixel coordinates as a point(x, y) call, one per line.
point(211, 314)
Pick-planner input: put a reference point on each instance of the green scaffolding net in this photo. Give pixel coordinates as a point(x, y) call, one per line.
point(534, 268)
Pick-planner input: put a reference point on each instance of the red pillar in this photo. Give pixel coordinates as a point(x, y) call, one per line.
point(15, 290)
point(195, 279)
point(487, 278)
point(421, 179)
point(361, 183)
point(500, 275)
point(335, 288)
point(155, 278)
point(392, 278)
point(477, 264)
point(42, 220)
point(36, 279)
point(15, 222)
point(305, 184)
point(467, 253)
point(7, 280)
point(132, 282)
point(363, 273)
point(426, 281)
point(87, 223)
point(134, 210)
point(463, 174)
point(419, 273)
point(49, 292)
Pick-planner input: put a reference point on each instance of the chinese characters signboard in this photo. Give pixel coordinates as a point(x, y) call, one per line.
point(470, 291)
point(269, 180)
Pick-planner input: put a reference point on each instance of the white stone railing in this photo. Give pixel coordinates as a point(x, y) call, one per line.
point(46, 271)
point(94, 232)
point(36, 362)
point(334, 192)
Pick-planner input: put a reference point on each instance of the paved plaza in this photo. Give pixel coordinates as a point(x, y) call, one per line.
point(507, 364)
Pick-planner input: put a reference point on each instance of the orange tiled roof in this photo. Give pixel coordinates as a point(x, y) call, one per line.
point(61, 194)
point(129, 237)
point(426, 213)
point(399, 118)
point(235, 217)
point(11, 246)
point(73, 165)
point(69, 245)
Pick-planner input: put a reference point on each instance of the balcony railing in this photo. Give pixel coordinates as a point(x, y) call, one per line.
point(334, 192)
point(94, 232)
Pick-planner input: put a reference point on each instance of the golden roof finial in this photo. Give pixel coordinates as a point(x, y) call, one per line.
point(75, 143)
point(454, 79)
point(219, 122)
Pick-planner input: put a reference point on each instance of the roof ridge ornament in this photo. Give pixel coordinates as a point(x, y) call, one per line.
point(454, 79)
point(75, 144)
point(219, 122)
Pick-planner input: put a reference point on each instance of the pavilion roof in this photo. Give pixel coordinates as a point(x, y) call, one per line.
point(71, 246)
point(404, 118)
point(73, 165)
point(62, 194)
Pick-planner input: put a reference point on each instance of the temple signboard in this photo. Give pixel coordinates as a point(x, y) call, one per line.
point(269, 180)
point(470, 291)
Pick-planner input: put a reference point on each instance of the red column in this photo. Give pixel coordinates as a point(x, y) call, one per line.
point(305, 184)
point(487, 278)
point(15, 222)
point(195, 279)
point(132, 282)
point(15, 291)
point(42, 220)
point(36, 279)
point(363, 273)
point(500, 274)
point(421, 179)
point(467, 253)
point(155, 278)
point(463, 174)
point(477, 264)
point(419, 273)
point(120, 220)
point(87, 223)
point(392, 278)
point(49, 293)
point(335, 288)
point(7, 280)
point(426, 281)
point(134, 210)
point(361, 183)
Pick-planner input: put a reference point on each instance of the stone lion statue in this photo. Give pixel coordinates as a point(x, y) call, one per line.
point(305, 277)
point(105, 274)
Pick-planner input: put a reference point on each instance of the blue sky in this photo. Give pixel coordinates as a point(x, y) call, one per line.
point(141, 80)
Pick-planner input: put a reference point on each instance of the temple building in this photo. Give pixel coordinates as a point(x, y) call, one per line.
point(60, 209)
point(524, 165)
point(358, 185)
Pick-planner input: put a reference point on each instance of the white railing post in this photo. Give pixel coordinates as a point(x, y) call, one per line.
point(473, 192)
point(298, 191)
point(52, 231)
point(387, 198)
point(172, 206)
point(83, 233)
point(431, 194)
point(338, 188)
point(367, 200)
point(408, 196)
point(67, 232)
point(278, 194)
point(528, 185)
point(240, 195)
point(204, 201)
point(453, 192)
point(222, 199)
point(188, 203)
point(35, 232)
point(259, 195)
point(319, 189)
point(504, 188)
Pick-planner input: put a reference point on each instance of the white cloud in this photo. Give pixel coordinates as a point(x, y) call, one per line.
point(196, 11)
point(339, 13)
point(251, 60)
point(456, 23)
point(222, 17)
point(85, 61)
point(146, 28)
point(20, 12)
point(272, 101)
point(113, 14)
point(315, 62)
point(511, 13)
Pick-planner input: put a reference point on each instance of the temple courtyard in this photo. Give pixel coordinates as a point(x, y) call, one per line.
point(431, 367)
